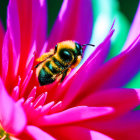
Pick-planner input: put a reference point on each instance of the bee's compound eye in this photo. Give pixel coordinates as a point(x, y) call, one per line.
point(65, 55)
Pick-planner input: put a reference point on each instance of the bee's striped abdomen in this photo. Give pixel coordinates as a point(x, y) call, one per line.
point(49, 69)
point(52, 68)
point(45, 77)
point(60, 65)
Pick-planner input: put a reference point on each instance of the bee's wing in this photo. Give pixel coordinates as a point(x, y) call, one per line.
point(42, 61)
point(44, 57)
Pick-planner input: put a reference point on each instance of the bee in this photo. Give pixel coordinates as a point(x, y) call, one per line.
point(59, 61)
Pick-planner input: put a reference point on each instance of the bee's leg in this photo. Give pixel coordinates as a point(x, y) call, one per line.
point(45, 55)
point(65, 73)
point(77, 61)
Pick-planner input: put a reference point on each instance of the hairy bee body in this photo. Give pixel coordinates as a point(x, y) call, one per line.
point(58, 61)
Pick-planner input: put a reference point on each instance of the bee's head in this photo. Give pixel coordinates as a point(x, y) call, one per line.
point(66, 48)
point(64, 51)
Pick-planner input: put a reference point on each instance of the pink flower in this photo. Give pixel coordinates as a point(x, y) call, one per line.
point(12, 116)
point(90, 103)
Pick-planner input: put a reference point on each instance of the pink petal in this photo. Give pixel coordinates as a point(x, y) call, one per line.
point(72, 22)
point(74, 114)
point(73, 132)
point(122, 100)
point(117, 72)
point(37, 133)
point(30, 58)
point(29, 20)
point(40, 100)
point(89, 67)
point(12, 116)
point(135, 30)
point(19, 119)
point(56, 108)
point(43, 50)
point(33, 92)
point(5, 57)
point(113, 74)
point(5, 109)
point(13, 23)
point(15, 93)
point(25, 83)
point(42, 26)
point(125, 127)
point(86, 70)
point(9, 61)
point(28, 102)
point(46, 108)
point(1, 43)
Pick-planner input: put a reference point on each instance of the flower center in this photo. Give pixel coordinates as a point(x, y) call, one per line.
point(3, 134)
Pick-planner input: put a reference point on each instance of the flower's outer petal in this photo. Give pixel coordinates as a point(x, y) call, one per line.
point(98, 56)
point(73, 132)
point(119, 38)
point(91, 65)
point(9, 61)
point(12, 116)
point(135, 30)
point(5, 57)
point(125, 127)
point(37, 133)
point(118, 71)
point(74, 114)
point(28, 17)
point(1, 44)
point(72, 21)
point(113, 74)
point(41, 23)
point(14, 23)
point(122, 100)
point(19, 119)
point(6, 106)
point(29, 20)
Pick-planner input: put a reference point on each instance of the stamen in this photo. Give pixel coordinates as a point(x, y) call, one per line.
point(40, 100)
point(46, 108)
point(15, 93)
point(56, 107)
point(33, 92)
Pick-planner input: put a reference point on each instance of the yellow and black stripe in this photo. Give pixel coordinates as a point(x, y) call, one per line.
point(66, 54)
point(49, 70)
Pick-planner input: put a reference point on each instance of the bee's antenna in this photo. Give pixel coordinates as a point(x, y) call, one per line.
point(88, 44)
